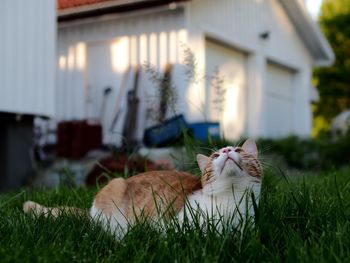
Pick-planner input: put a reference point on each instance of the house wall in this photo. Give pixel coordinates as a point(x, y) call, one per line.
point(238, 24)
point(123, 41)
point(157, 36)
point(27, 52)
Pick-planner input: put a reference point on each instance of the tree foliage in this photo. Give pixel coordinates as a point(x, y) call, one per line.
point(333, 83)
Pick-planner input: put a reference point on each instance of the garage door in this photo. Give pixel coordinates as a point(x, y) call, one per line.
point(226, 71)
point(279, 101)
point(99, 105)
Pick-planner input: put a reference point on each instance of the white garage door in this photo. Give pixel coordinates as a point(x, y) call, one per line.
point(100, 76)
point(279, 101)
point(226, 69)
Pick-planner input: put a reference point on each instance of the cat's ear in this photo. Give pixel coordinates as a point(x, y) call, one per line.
point(249, 146)
point(202, 161)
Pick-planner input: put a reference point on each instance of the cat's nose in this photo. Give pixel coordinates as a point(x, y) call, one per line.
point(226, 150)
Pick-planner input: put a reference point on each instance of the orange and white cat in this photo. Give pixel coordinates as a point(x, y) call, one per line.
point(229, 178)
point(229, 175)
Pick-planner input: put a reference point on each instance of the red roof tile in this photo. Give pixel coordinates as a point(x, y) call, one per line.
point(63, 4)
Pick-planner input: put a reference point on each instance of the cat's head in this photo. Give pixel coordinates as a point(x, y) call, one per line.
point(239, 162)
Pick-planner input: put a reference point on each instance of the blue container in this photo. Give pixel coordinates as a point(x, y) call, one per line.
point(204, 130)
point(163, 134)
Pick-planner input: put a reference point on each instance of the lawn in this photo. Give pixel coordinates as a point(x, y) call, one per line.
point(300, 219)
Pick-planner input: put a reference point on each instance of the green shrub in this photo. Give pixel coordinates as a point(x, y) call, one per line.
point(293, 151)
point(303, 153)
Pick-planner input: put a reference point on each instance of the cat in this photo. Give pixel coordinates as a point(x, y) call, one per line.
point(231, 179)
point(229, 176)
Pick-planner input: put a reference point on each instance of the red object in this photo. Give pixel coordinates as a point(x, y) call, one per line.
point(76, 138)
point(63, 4)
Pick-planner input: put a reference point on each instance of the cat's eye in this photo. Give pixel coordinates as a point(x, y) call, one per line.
point(215, 155)
point(238, 150)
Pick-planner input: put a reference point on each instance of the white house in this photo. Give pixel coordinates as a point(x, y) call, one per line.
point(27, 81)
point(262, 50)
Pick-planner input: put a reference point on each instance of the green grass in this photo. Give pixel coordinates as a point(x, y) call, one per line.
point(300, 219)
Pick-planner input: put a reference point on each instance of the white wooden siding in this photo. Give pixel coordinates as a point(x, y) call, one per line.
point(27, 52)
point(240, 22)
point(96, 54)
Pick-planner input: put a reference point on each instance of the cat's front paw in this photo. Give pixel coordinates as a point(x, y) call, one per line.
point(31, 207)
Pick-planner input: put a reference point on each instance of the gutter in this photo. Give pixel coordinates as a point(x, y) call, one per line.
point(310, 33)
point(109, 7)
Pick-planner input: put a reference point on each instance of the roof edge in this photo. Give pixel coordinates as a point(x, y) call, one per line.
point(310, 33)
point(108, 7)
